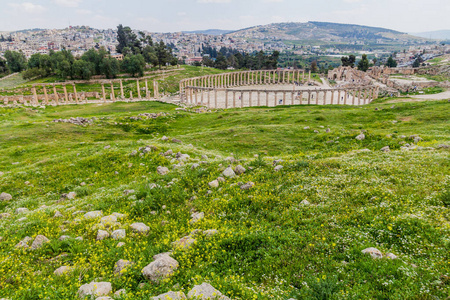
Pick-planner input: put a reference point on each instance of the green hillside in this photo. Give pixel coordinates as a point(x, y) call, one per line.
point(270, 232)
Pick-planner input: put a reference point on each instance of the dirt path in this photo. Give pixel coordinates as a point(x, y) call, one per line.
point(418, 98)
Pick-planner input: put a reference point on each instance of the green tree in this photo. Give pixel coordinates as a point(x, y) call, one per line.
point(134, 64)
point(363, 64)
point(348, 61)
point(127, 39)
point(391, 63)
point(16, 61)
point(221, 62)
point(83, 69)
point(109, 67)
point(314, 66)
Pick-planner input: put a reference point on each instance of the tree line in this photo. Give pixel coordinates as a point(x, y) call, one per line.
point(364, 64)
point(231, 58)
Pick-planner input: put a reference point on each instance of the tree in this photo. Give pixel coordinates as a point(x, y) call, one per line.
point(134, 64)
point(3, 66)
point(314, 66)
point(149, 54)
point(363, 64)
point(417, 62)
point(391, 63)
point(110, 67)
point(221, 62)
point(127, 38)
point(83, 69)
point(208, 62)
point(348, 61)
point(16, 61)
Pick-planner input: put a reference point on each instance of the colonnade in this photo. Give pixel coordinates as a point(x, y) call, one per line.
point(236, 79)
point(233, 98)
point(58, 93)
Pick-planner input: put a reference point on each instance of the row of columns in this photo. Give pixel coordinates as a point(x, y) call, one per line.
point(196, 96)
point(112, 95)
point(234, 79)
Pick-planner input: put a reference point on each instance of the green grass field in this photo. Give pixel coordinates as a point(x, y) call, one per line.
point(270, 244)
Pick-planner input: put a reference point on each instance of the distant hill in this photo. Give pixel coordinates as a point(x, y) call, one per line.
point(326, 33)
point(209, 31)
point(437, 35)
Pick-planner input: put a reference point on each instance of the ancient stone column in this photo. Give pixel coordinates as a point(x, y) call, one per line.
point(339, 97)
point(242, 99)
point(345, 97)
point(301, 97)
point(284, 96)
point(45, 95)
point(196, 96)
point(146, 90)
point(131, 95)
point(201, 97)
point(284, 77)
point(215, 98)
point(309, 97)
point(332, 97)
point(309, 75)
point(234, 99)
point(267, 98)
point(292, 98)
point(353, 98)
point(66, 97)
point(303, 76)
point(250, 99)
point(35, 96)
point(75, 94)
point(138, 89)
point(209, 98)
point(359, 97)
point(259, 98)
point(103, 92)
point(121, 90)
point(276, 98)
point(113, 95)
point(56, 95)
point(226, 98)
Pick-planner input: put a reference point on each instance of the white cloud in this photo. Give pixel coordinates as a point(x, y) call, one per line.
point(352, 1)
point(213, 1)
point(273, 1)
point(84, 12)
point(28, 7)
point(68, 3)
point(182, 14)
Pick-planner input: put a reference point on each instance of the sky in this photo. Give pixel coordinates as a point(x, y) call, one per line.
point(187, 15)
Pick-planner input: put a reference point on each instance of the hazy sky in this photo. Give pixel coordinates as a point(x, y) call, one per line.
point(183, 15)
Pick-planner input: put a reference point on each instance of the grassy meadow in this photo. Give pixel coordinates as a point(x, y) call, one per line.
point(297, 233)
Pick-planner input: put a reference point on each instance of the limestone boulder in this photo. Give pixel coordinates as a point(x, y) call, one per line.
point(162, 170)
point(162, 267)
point(195, 217)
point(385, 149)
point(118, 234)
point(24, 243)
point(360, 137)
point(239, 170)
point(278, 168)
point(206, 291)
point(229, 173)
point(247, 186)
point(39, 241)
point(374, 252)
point(62, 270)
point(93, 214)
point(170, 296)
point(22, 210)
point(140, 228)
point(96, 289)
point(214, 183)
point(101, 235)
point(185, 242)
point(121, 265)
point(5, 197)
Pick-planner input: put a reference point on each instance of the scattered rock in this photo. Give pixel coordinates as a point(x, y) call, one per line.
point(162, 267)
point(442, 146)
point(305, 202)
point(306, 128)
point(58, 215)
point(5, 197)
point(62, 270)
point(197, 217)
point(64, 237)
point(23, 243)
point(107, 147)
point(185, 242)
point(162, 170)
point(278, 168)
point(328, 130)
point(120, 292)
point(128, 192)
point(374, 252)
point(164, 138)
point(121, 265)
point(93, 214)
point(118, 234)
point(210, 232)
point(39, 242)
point(22, 210)
point(229, 173)
point(95, 289)
point(5, 215)
point(170, 296)
point(214, 184)
point(391, 256)
point(102, 234)
point(206, 291)
point(109, 220)
point(239, 170)
point(174, 140)
point(121, 244)
point(247, 186)
point(195, 166)
point(76, 121)
point(140, 228)
point(316, 131)
point(385, 149)
point(360, 137)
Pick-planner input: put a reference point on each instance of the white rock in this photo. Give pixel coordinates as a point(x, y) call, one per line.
point(197, 217)
point(206, 291)
point(210, 232)
point(121, 265)
point(239, 170)
point(39, 242)
point(160, 268)
point(140, 228)
point(229, 173)
point(391, 256)
point(62, 270)
point(185, 242)
point(214, 184)
point(5, 197)
point(96, 289)
point(118, 234)
point(102, 234)
point(121, 244)
point(360, 137)
point(120, 292)
point(64, 237)
point(162, 170)
point(104, 298)
point(71, 195)
point(93, 214)
point(24, 243)
point(58, 215)
point(5, 215)
point(22, 210)
point(374, 252)
point(247, 186)
point(385, 149)
point(108, 220)
point(170, 296)
point(195, 166)
point(305, 202)
point(278, 168)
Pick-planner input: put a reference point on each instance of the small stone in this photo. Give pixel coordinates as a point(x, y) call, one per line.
point(5, 197)
point(185, 242)
point(164, 138)
point(247, 186)
point(62, 270)
point(214, 184)
point(104, 298)
point(162, 267)
point(374, 252)
point(140, 228)
point(118, 234)
point(360, 137)
point(83, 184)
point(195, 166)
point(162, 170)
point(306, 128)
point(210, 232)
point(71, 195)
point(22, 210)
point(206, 291)
point(385, 149)
point(96, 289)
point(58, 215)
point(128, 192)
point(328, 130)
point(174, 140)
point(170, 296)
point(133, 153)
point(305, 202)
point(39, 242)
point(23, 243)
point(109, 220)
point(121, 265)
point(197, 217)
point(93, 214)
point(121, 244)
point(229, 173)
point(79, 238)
point(102, 234)
point(64, 237)
point(278, 168)
point(239, 170)
point(5, 215)
point(120, 292)
point(168, 152)
point(391, 256)
point(316, 131)
point(221, 179)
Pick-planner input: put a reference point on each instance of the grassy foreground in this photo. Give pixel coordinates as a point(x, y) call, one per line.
point(269, 245)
